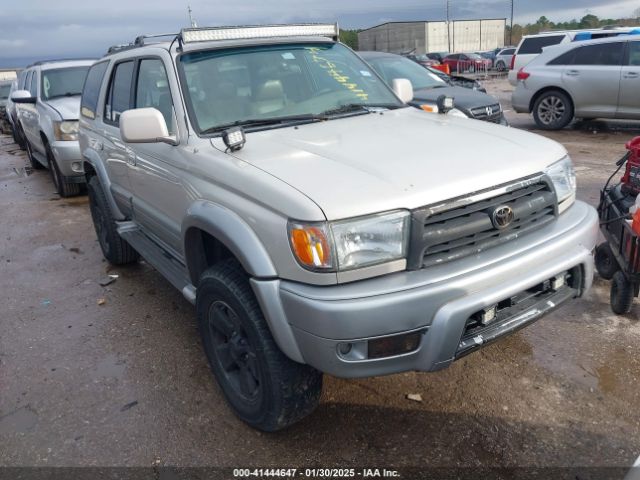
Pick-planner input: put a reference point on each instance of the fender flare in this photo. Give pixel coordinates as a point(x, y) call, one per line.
point(93, 159)
point(230, 230)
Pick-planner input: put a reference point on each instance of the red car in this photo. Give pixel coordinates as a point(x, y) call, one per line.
point(466, 62)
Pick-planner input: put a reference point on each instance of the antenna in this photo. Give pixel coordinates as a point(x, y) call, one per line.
point(191, 20)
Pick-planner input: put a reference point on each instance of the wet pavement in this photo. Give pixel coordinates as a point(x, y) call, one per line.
point(115, 375)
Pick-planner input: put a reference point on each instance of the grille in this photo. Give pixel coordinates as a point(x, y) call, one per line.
point(481, 113)
point(440, 235)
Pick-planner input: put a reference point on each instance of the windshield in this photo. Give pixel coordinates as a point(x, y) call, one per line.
point(276, 81)
point(4, 91)
point(398, 67)
point(63, 82)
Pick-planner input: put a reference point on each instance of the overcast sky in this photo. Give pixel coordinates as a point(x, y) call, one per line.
point(37, 29)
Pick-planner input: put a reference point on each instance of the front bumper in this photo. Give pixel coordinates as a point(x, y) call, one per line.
point(311, 324)
point(69, 159)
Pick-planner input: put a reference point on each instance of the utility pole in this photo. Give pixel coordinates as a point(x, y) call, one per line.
point(511, 29)
point(191, 20)
point(448, 28)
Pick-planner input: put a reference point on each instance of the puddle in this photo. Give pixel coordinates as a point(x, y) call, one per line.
point(19, 421)
point(110, 367)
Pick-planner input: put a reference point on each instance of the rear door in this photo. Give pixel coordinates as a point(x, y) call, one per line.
point(629, 104)
point(592, 78)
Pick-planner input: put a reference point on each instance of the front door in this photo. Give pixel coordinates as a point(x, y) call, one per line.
point(629, 106)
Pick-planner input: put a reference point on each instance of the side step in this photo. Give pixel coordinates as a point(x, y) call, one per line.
point(174, 271)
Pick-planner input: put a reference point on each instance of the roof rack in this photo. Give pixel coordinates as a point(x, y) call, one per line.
point(139, 41)
point(44, 62)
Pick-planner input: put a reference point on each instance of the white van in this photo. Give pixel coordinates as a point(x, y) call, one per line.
point(531, 45)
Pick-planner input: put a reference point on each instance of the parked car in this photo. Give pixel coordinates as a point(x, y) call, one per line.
point(439, 56)
point(428, 87)
point(466, 62)
point(47, 111)
point(316, 221)
point(503, 59)
point(457, 80)
point(532, 45)
point(12, 113)
point(422, 60)
point(5, 87)
point(490, 55)
point(591, 79)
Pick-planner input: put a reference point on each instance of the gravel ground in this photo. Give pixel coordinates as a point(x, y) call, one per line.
point(126, 383)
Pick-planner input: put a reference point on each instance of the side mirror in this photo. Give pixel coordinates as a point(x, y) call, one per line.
point(145, 125)
point(403, 89)
point(22, 96)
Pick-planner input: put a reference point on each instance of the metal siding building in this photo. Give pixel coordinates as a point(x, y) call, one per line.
point(425, 37)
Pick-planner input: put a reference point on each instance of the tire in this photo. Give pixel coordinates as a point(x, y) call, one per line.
point(65, 189)
point(116, 250)
point(264, 388)
point(622, 294)
point(606, 263)
point(501, 67)
point(21, 139)
point(553, 110)
point(35, 164)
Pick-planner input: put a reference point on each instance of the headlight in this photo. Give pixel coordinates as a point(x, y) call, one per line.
point(563, 177)
point(456, 113)
point(349, 244)
point(66, 130)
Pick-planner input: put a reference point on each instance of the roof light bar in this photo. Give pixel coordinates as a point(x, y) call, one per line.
point(190, 35)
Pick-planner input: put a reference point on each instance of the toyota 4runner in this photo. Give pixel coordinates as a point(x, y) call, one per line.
point(272, 176)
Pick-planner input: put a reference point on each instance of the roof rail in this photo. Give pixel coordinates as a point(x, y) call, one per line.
point(56, 60)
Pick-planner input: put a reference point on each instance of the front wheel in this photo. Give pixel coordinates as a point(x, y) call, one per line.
point(264, 388)
point(553, 110)
point(64, 188)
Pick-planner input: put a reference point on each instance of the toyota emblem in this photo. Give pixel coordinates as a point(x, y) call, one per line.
point(502, 217)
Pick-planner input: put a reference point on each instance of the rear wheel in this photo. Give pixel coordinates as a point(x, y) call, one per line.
point(116, 250)
point(553, 110)
point(606, 263)
point(264, 388)
point(622, 294)
point(500, 66)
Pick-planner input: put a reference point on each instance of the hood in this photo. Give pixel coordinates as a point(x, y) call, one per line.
point(67, 107)
point(401, 159)
point(464, 98)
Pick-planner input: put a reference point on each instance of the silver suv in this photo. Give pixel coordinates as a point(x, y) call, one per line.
point(47, 111)
point(270, 175)
point(593, 79)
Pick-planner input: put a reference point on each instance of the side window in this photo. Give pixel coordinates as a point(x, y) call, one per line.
point(564, 59)
point(634, 54)
point(152, 90)
point(21, 79)
point(511, 51)
point(119, 94)
point(24, 84)
point(609, 54)
point(91, 89)
point(535, 45)
point(33, 86)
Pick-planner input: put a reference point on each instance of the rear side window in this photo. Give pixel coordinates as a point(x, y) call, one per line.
point(535, 45)
point(119, 94)
point(91, 89)
point(634, 54)
point(564, 59)
point(604, 54)
point(511, 51)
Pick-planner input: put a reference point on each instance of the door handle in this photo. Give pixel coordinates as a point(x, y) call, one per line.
point(630, 75)
point(573, 73)
point(131, 156)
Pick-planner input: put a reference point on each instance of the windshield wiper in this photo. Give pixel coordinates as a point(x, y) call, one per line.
point(359, 108)
point(68, 94)
point(259, 122)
